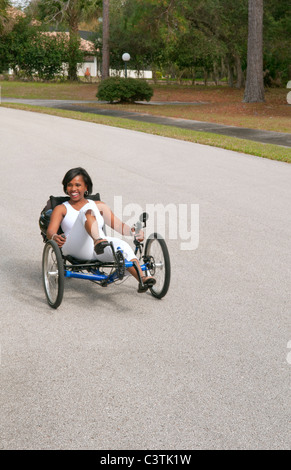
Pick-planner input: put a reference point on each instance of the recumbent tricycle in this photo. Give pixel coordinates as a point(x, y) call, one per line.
point(153, 255)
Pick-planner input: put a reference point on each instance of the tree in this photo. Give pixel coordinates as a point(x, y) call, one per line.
point(233, 24)
point(105, 40)
point(70, 13)
point(31, 52)
point(203, 36)
point(277, 50)
point(254, 90)
point(9, 20)
point(4, 4)
point(43, 56)
point(134, 29)
point(3, 15)
point(198, 44)
point(177, 36)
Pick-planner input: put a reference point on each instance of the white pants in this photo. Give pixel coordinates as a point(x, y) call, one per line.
point(80, 245)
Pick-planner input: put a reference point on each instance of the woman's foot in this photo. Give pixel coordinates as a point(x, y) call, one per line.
point(100, 245)
point(147, 281)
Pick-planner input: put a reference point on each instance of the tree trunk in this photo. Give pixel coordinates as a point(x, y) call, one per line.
point(205, 76)
point(105, 40)
point(239, 72)
point(155, 75)
point(73, 56)
point(193, 76)
point(229, 69)
point(254, 90)
point(74, 42)
point(215, 73)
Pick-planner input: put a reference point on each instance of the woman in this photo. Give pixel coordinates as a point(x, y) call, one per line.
point(82, 222)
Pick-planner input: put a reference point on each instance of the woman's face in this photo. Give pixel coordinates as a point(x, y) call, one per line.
point(76, 188)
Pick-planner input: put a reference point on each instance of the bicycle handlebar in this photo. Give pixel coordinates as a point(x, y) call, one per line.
point(141, 223)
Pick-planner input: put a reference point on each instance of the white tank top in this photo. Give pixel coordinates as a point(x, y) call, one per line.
point(72, 214)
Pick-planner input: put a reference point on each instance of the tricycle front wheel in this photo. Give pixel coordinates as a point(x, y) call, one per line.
point(53, 273)
point(158, 259)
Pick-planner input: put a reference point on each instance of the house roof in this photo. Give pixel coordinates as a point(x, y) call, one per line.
point(85, 45)
point(14, 13)
point(12, 16)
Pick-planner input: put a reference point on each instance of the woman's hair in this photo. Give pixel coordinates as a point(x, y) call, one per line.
point(71, 174)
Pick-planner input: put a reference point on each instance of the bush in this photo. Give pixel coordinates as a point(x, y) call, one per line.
point(124, 90)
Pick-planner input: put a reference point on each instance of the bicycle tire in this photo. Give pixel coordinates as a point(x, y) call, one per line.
point(156, 250)
point(53, 274)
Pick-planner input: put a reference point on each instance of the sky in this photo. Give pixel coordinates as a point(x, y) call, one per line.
point(19, 3)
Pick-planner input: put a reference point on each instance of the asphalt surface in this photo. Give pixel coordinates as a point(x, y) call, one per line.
point(266, 137)
point(206, 367)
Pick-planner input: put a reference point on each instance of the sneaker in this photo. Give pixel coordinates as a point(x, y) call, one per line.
point(147, 283)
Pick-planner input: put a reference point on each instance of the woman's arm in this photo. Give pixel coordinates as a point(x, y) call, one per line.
point(115, 223)
point(57, 216)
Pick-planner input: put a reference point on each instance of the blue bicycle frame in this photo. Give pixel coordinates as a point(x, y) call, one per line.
point(97, 276)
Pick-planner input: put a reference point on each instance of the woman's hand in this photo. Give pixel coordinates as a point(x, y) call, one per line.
point(139, 236)
point(59, 239)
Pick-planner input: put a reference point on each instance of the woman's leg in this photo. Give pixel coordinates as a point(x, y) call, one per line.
point(130, 256)
point(80, 245)
point(91, 225)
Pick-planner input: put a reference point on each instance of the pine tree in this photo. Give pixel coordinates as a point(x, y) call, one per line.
point(105, 40)
point(254, 90)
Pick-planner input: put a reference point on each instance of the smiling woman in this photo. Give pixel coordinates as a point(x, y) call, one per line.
point(82, 179)
point(82, 222)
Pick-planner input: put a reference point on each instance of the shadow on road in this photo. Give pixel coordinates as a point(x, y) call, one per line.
point(23, 283)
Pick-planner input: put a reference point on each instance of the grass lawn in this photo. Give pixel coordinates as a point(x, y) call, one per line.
point(49, 91)
point(219, 104)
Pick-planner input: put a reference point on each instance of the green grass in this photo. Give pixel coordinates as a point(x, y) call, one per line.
point(273, 152)
point(41, 90)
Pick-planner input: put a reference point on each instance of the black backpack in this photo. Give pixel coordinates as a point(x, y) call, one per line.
point(54, 201)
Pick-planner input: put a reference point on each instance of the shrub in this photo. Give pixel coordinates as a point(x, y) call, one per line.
point(124, 90)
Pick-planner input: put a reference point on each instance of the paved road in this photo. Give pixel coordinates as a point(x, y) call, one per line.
point(206, 367)
point(257, 135)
